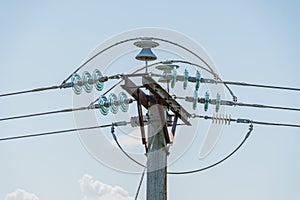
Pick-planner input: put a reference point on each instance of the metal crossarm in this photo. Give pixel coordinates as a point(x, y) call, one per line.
point(166, 99)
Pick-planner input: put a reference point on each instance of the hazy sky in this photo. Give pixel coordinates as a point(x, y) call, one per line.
point(250, 41)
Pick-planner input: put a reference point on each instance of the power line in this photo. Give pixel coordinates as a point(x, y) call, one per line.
point(121, 123)
point(68, 85)
point(228, 119)
point(95, 106)
point(275, 124)
point(91, 106)
point(232, 103)
point(226, 83)
point(259, 85)
point(31, 90)
point(267, 106)
point(47, 113)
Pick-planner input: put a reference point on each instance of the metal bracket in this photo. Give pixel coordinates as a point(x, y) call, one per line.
point(166, 99)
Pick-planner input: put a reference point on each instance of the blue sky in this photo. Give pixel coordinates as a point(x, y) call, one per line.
point(251, 41)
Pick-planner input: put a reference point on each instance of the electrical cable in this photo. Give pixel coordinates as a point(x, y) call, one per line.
point(191, 171)
point(220, 161)
point(204, 117)
point(121, 148)
point(259, 85)
point(31, 90)
point(64, 86)
point(231, 103)
point(126, 154)
point(227, 120)
point(97, 54)
point(144, 171)
point(122, 123)
point(188, 50)
point(140, 184)
point(276, 124)
point(47, 113)
point(225, 158)
point(266, 106)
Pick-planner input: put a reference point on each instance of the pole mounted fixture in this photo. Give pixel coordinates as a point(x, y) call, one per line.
point(169, 70)
point(146, 53)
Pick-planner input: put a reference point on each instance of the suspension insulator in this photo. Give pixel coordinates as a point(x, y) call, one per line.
point(77, 83)
point(87, 82)
point(218, 102)
point(195, 99)
point(123, 101)
point(97, 75)
point(198, 78)
point(103, 105)
point(113, 101)
point(185, 78)
point(206, 101)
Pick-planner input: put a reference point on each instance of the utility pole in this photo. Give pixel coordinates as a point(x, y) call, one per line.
point(157, 101)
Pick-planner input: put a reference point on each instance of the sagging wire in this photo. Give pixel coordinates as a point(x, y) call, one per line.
point(220, 161)
point(121, 148)
point(190, 171)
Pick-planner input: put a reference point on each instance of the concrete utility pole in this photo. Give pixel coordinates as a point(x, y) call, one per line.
point(157, 155)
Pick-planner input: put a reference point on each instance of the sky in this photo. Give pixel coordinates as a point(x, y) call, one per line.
point(42, 42)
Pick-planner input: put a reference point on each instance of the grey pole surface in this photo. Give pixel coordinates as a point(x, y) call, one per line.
point(157, 155)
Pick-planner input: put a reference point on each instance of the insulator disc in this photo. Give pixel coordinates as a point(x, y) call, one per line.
point(86, 77)
point(198, 77)
point(195, 100)
point(173, 81)
point(102, 108)
point(114, 106)
point(123, 105)
point(185, 79)
point(218, 102)
point(206, 102)
point(77, 83)
point(96, 76)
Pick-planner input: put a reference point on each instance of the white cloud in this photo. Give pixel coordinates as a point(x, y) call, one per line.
point(20, 194)
point(96, 190)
